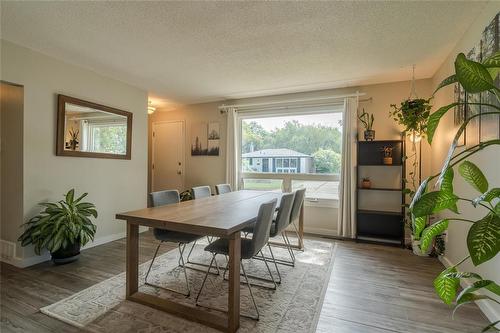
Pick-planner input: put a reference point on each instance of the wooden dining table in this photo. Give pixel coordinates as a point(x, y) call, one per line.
point(220, 216)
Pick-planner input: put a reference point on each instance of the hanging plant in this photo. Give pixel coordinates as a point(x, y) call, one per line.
point(413, 114)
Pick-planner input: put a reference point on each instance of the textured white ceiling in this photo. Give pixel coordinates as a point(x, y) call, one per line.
point(202, 51)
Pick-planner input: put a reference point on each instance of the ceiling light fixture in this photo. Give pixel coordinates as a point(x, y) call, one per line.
point(151, 108)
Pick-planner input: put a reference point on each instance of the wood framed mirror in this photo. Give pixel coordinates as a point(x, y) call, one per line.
point(86, 129)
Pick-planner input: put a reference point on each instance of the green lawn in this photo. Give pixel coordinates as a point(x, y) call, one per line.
point(262, 184)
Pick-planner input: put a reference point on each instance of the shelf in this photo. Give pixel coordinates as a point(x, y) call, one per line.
point(380, 189)
point(378, 239)
point(380, 141)
point(379, 212)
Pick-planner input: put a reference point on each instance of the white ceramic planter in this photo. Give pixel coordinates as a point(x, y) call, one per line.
point(415, 245)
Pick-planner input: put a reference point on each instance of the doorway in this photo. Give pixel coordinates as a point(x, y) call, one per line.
point(11, 166)
point(168, 155)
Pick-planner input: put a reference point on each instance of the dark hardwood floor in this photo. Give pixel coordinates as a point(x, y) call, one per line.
point(372, 289)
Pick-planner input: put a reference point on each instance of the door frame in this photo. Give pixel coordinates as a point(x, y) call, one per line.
point(183, 149)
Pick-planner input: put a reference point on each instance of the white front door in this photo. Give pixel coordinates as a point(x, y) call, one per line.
point(168, 156)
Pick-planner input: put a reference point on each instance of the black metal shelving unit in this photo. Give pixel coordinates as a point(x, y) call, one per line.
point(380, 226)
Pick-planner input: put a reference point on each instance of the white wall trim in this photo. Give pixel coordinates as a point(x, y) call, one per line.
point(484, 306)
point(15, 260)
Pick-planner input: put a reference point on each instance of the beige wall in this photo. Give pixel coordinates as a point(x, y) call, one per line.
point(487, 160)
point(199, 170)
point(211, 170)
point(113, 185)
point(11, 111)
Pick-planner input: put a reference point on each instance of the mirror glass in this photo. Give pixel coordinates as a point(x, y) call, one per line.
point(92, 130)
point(87, 129)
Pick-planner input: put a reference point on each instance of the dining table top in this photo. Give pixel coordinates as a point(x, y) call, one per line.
point(219, 215)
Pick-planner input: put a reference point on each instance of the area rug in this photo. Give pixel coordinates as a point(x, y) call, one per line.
point(294, 307)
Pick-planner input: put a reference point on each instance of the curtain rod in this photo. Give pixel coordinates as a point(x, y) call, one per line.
point(357, 94)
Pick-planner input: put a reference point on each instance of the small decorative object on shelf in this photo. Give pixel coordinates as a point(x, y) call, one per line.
point(367, 120)
point(366, 183)
point(387, 151)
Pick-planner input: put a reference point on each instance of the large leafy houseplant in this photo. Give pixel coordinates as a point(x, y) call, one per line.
point(413, 114)
point(483, 238)
point(62, 227)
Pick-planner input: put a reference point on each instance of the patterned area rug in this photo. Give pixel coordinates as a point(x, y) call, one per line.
point(294, 307)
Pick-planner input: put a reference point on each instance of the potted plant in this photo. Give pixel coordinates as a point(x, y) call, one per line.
point(387, 152)
point(62, 228)
point(73, 142)
point(367, 121)
point(483, 237)
point(413, 114)
point(366, 183)
point(416, 238)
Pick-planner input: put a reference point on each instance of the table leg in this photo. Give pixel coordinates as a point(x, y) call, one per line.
point(132, 274)
point(301, 227)
point(234, 282)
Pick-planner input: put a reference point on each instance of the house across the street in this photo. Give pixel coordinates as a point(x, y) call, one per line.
point(278, 161)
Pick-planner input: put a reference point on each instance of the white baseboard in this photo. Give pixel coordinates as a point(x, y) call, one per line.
point(485, 306)
point(12, 258)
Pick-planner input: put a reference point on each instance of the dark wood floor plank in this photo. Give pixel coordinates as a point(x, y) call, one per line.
point(372, 289)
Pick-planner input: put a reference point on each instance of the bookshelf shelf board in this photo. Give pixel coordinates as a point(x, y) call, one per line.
point(380, 189)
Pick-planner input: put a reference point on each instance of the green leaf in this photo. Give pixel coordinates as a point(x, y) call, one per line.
point(447, 182)
point(473, 76)
point(434, 118)
point(420, 191)
point(446, 287)
point(434, 202)
point(491, 326)
point(488, 196)
point(80, 198)
point(468, 298)
point(69, 196)
point(483, 239)
point(419, 224)
point(446, 82)
point(492, 61)
point(487, 284)
point(465, 275)
point(432, 231)
point(473, 175)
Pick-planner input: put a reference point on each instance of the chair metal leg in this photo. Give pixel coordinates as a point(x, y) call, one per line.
point(275, 263)
point(152, 261)
point(200, 263)
point(289, 247)
point(297, 231)
point(254, 277)
point(250, 289)
point(181, 248)
point(221, 310)
point(205, 279)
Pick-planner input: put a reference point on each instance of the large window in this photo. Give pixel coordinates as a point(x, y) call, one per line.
point(306, 145)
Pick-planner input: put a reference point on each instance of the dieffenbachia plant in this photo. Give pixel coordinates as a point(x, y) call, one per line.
point(483, 239)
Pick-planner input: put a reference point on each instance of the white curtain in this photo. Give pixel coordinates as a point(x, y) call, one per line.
point(348, 181)
point(232, 149)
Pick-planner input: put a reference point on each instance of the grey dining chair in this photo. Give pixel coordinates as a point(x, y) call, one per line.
point(223, 188)
point(201, 192)
point(294, 216)
point(249, 247)
point(278, 227)
point(162, 198)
